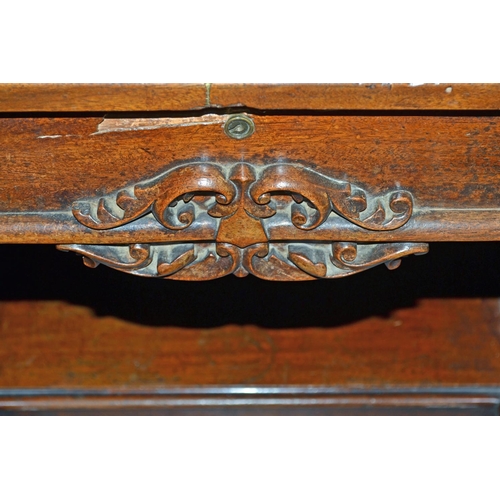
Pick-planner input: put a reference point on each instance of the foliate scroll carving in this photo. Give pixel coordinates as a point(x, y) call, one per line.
point(276, 261)
point(246, 191)
point(240, 197)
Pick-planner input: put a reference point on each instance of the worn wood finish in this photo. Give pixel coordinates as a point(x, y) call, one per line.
point(85, 98)
point(273, 261)
point(160, 347)
point(333, 179)
point(244, 197)
point(438, 341)
point(444, 162)
point(456, 225)
point(446, 167)
point(57, 358)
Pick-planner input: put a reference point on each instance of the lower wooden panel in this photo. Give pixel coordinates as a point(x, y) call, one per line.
point(438, 341)
point(440, 357)
point(424, 339)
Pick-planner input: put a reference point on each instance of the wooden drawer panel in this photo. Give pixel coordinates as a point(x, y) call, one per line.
point(297, 180)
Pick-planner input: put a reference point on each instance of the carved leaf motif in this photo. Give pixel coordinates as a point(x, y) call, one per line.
point(243, 190)
point(125, 258)
point(242, 196)
point(158, 195)
point(272, 261)
point(325, 195)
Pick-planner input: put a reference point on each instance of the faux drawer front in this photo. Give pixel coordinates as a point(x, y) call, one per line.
point(301, 197)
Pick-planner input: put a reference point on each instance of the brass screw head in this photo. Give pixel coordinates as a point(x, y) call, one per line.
point(239, 127)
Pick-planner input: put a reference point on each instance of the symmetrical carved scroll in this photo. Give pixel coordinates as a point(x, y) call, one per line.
point(246, 191)
point(241, 197)
point(276, 261)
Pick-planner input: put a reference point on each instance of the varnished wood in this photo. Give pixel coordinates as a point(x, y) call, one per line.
point(448, 165)
point(445, 162)
point(437, 341)
point(334, 179)
point(363, 96)
point(176, 97)
point(274, 261)
point(89, 98)
point(243, 196)
point(252, 401)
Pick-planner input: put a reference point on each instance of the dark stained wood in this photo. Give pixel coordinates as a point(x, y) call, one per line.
point(88, 98)
point(363, 96)
point(446, 167)
point(444, 162)
point(176, 97)
point(274, 261)
point(325, 185)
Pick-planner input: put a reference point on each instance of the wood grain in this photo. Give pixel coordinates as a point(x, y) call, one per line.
point(89, 98)
point(85, 98)
point(412, 344)
point(443, 161)
point(364, 96)
point(440, 341)
point(447, 164)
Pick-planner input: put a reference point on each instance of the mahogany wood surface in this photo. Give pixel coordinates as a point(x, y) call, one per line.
point(447, 165)
point(88, 98)
point(85, 98)
point(54, 344)
point(377, 343)
point(364, 96)
point(327, 181)
point(73, 361)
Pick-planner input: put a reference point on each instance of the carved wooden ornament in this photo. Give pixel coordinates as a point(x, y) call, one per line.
point(239, 198)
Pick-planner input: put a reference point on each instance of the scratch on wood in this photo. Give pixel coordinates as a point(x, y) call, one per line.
point(132, 124)
point(55, 136)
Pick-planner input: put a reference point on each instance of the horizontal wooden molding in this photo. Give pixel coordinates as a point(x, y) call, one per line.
point(49, 98)
point(278, 400)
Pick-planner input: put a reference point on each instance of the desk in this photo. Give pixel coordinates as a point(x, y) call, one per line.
point(286, 186)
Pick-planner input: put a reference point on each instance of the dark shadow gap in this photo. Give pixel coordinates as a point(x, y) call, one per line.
point(40, 272)
point(254, 111)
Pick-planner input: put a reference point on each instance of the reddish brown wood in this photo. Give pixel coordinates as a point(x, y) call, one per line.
point(296, 261)
point(175, 97)
point(88, 98)
point(446, 165)
point(440, 341)
point(244, 196)
point(423, 177)
point(445, 162)
point(364, 96)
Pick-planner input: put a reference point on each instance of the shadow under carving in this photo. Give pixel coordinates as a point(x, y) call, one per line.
point(39, 272)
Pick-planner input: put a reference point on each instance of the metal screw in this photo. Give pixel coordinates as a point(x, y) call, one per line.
point(239, 127)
